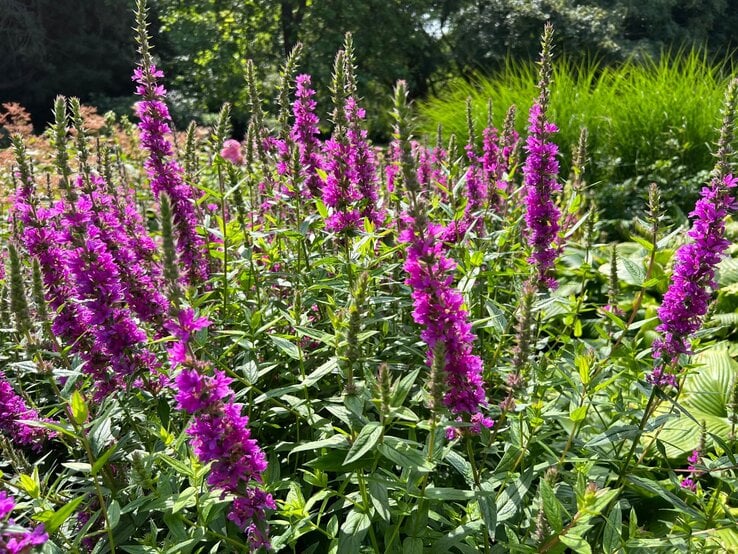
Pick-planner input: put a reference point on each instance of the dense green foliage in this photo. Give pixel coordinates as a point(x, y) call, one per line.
point(81, 48)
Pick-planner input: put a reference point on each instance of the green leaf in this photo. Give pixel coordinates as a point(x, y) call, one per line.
point(100, 462)
point(352, 532)
point(114, 513)
point(412, 545)
point(365, 441)
point(579, 414)
point(401, 389)
point(510, 501)
point(405, 456)
point(380, 498)
point(53, 520)
point(184, 499)
point(611, 540)
point(551, 506)
point(78, 407)
point(577, 544)
point(335, 441)
point(82, 467)
point(448, 493)
point(286, 346)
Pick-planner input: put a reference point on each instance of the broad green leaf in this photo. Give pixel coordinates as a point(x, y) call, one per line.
point(577, 544)
point(380, 498)
point(114, 513)
point(551, 506)
point(365, 441)
point(611, 540)
point(286, 346)
point(335, 441)
point(78, 407)
point(705, 397)
point(52, 521)
point(353, 531)
point(184, 499)
point(447, 493)
point(405, 456)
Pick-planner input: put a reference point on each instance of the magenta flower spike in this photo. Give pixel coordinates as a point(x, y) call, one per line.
point(165, 173)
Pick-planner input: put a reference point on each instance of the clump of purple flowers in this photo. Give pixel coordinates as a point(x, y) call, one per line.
point(438, 307)
point(220, 433)
point(540, 175)
point(690, 482)
point(350, 189)
point(686, 301)
point(13, 410)
point(13, 541)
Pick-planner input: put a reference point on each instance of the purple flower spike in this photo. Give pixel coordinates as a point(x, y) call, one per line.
point(438, 307)
point(685, 302)
point(166, 174)
point(541, 214)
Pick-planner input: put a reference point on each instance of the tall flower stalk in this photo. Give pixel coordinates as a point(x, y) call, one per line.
point(304, 134)
point(540, 174)
point(219, 432)
point(165, 173)
point(438, 307)
point(693, 279)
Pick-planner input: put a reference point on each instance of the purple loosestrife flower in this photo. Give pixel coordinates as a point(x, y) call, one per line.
point(338, 194)
point(165, 173)
point(541, 213)
point(362, 163)
point(438, 307)
point(183, 329)
point(140, 276)
point(351, 184)
point(97, 282)
point(540, 176)
point(13, 409)
point(476, 190)
point(694, 472)
point(305, 135)
point(490, 162)
point(17, 542)
point(219, 433)
point(394, 163)
point(688, 296)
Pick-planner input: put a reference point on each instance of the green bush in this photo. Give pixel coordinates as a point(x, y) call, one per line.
point(648, 121)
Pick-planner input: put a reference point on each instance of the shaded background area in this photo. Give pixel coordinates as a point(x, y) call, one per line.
point(85, 48)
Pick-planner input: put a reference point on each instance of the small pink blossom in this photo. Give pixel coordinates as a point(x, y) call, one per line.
point(231, 151)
